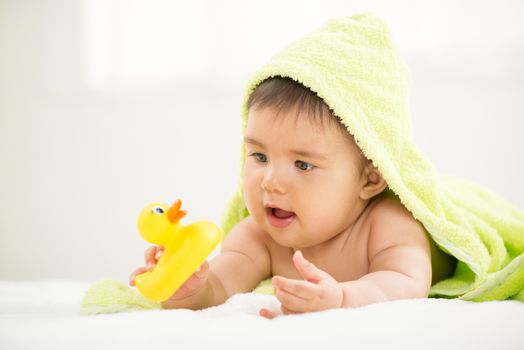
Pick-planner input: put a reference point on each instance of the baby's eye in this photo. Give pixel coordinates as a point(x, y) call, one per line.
point(304, 166)
point(260, 157)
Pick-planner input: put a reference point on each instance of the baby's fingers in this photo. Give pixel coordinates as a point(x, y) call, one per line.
point(152, 255)
point(149, 254)
point(303, 289)
point(292, 303)
point(159, 252)
point(269, 314)
point(135, 273)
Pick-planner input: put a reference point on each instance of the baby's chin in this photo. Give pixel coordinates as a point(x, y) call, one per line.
point(290, 239)
point(299, 239)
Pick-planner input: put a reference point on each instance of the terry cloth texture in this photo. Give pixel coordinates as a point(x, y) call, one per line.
point(353, 65)
point(110, 296)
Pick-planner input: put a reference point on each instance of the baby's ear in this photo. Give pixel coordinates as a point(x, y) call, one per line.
point(373, 181)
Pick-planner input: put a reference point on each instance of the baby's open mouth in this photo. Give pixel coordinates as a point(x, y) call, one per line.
point(281, 213)
point(279, 217)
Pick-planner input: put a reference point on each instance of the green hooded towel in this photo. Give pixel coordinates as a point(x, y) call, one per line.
point(352, 64)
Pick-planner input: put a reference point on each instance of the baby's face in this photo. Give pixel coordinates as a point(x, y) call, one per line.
point(301, 181)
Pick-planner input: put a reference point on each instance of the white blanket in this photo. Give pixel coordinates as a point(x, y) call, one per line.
point(45, 315)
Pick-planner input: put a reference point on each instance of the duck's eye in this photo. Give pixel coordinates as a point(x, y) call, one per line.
point(158, 210)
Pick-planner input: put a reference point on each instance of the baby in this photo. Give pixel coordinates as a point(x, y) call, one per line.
point(322, 222)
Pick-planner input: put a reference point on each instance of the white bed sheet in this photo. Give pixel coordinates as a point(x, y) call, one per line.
point(45, 315)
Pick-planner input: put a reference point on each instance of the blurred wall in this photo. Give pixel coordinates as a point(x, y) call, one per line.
point(108, 105)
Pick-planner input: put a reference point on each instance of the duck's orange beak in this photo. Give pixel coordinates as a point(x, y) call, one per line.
point(174, 214)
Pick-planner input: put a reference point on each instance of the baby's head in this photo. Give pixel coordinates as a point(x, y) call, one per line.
point(305, 178)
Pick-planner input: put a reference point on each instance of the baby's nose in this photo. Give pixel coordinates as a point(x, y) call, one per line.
point(274, 182)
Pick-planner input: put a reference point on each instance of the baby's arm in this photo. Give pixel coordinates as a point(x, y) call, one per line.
point(243, 262)
point(399, 268)
point(399, 259)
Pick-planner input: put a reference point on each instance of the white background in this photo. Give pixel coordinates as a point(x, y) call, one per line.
point(106, 106)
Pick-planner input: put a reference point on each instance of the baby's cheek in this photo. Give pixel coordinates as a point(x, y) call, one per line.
point(314, 210)
point(251, 199)
point(321, 221)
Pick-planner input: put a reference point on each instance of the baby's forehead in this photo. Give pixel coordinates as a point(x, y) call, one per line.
point(321, 123)
point(300, 124)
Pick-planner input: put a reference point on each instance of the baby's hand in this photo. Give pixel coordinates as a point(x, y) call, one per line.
point(151, 257)
point(190, 287)
point(318, 291)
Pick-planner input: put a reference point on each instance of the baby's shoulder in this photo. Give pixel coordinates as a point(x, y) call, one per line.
point(387, 207)
point(247, 230)
point(391, 224)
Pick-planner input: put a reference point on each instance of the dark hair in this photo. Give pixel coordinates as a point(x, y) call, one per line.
point(285, 95)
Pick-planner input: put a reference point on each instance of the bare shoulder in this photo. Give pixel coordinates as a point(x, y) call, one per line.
point(248, 239)
point(247, 231)
point(392, 225)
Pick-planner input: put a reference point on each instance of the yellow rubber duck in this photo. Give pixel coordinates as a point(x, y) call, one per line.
point(185, 248)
